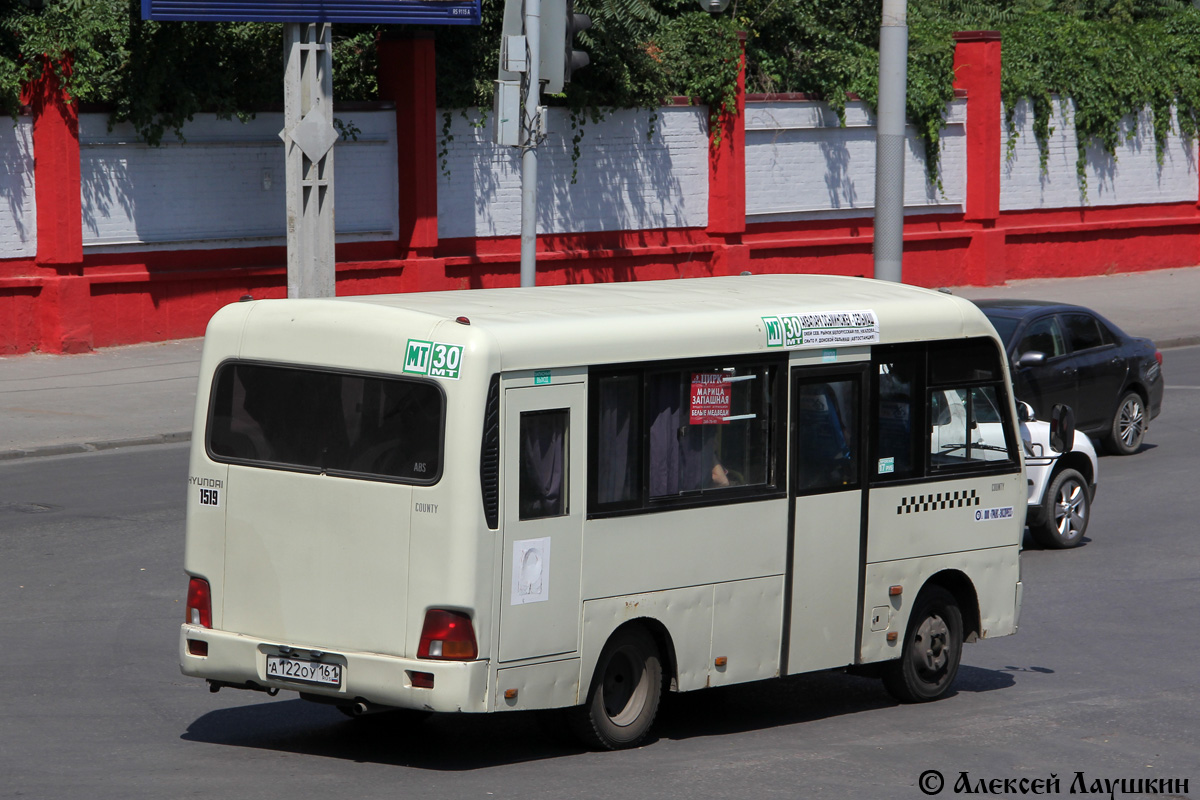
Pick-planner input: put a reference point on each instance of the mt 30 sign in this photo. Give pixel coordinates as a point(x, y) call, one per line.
point(435, 359)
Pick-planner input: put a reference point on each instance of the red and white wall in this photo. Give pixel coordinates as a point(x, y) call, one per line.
point(105, 241)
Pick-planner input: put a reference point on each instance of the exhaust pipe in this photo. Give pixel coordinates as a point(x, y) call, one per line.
point(363, 708)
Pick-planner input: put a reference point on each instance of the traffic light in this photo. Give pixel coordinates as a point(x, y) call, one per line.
point(559, 57)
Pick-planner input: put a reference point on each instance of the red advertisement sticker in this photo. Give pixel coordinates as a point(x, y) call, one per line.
point(711, 399)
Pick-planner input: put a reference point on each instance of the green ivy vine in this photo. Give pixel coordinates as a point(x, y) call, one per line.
point(1108, 61)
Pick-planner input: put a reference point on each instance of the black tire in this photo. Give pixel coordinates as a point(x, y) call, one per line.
point(932, 649)
point(623, 699)
point(1066, 509)
point(1128, 427)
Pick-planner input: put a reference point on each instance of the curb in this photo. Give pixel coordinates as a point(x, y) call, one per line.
point(1181, 341)
point(94, 447)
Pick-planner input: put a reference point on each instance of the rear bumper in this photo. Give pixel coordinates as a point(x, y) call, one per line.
point(459, 686)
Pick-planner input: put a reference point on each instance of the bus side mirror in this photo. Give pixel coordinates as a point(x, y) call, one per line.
point(1025, 412)
point(1062, 428)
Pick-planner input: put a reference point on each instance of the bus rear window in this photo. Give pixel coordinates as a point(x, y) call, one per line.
point(320, 421)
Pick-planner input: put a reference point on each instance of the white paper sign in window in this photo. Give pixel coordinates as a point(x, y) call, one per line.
point(531, 571)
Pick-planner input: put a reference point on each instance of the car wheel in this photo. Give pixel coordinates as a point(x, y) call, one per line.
point(1066, 509)
point(624, 694)
point(1128, 425)
point(932, 649)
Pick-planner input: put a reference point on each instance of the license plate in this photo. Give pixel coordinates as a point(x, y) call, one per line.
point(294, 669)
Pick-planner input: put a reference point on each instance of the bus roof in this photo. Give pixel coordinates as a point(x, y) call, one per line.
point(620, 322)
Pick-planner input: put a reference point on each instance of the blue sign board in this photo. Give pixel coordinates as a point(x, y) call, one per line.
point(371, 12)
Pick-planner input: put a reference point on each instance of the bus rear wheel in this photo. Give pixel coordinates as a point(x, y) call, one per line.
point(932, 649)
point(623, 699)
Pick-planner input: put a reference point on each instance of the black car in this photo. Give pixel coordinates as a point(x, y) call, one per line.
point(1062, 353)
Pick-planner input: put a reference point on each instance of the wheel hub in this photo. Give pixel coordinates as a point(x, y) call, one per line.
point(931, 640)
point(1068, 511)
point(624, 688)
point(1131, 422)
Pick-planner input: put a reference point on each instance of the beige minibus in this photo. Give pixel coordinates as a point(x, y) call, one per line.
point(580, 497)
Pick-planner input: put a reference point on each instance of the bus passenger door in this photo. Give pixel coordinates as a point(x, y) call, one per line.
point(825, 540)
point(544, 503)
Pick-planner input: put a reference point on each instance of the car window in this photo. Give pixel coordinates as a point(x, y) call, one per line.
point(1106, 333)
point(1082, 331)
point(1044, 336)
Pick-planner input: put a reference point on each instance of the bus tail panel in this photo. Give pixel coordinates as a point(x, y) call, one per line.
point(317, 561)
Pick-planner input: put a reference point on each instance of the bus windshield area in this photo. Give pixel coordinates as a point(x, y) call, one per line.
point(328, 422)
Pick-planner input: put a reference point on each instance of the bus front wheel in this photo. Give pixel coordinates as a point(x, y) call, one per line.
point(932, 649)
point(624, 695)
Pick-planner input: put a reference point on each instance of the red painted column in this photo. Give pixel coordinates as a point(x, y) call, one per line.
point(977, 71)
point(64, 305)
point(727, 180)
point(407, 77)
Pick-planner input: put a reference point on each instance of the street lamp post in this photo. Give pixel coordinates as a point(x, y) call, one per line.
point(890, 141)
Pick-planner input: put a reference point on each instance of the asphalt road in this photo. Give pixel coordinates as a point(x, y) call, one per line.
point(1101, 678)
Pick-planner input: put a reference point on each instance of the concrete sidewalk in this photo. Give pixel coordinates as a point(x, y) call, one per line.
point(115, 397)
point(144, 394)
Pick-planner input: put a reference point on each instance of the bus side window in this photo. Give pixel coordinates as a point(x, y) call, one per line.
point(710, 428)
point(894, 418)
point(543, 478)
point(827, 436)
point(965, 400)
point(673, 433)
point(618, 440)
point(678, 462)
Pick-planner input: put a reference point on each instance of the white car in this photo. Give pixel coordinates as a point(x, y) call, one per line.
point(1061, 484)
point(1060, 465)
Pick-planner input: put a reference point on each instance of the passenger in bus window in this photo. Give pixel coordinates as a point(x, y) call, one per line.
point(722, 476)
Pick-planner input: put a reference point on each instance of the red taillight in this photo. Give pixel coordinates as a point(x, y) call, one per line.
point(447, 635)
point(1158, 357)
point(199, 603)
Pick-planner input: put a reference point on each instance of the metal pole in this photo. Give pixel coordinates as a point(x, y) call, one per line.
point(308, 138)
point(890, 141)
point(530, 131)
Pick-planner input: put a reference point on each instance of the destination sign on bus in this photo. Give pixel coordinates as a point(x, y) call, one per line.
point(823, 328)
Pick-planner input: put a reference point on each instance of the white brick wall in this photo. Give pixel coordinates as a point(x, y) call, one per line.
point(800, 164)
point(1132, 177)
point(628, 178)
point(224, 187)
point(18, 209)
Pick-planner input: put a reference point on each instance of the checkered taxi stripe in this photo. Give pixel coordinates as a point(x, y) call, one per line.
point(937, 502)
